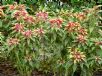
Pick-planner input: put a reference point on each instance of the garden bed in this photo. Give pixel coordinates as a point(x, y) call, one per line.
point(62, 42)
point(7, 69)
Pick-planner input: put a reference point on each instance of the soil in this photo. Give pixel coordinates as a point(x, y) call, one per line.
point(98, 73)
point(6, 69)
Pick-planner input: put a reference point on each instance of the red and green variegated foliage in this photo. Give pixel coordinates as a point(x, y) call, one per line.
point(61, 42)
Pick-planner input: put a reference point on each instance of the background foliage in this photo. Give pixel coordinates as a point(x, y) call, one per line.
point(69, 2)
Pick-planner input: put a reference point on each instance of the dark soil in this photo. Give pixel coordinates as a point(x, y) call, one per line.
point(98, 73)
point(6, 69)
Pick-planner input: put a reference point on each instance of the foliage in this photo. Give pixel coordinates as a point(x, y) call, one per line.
point(61, 42)
point(41, 2)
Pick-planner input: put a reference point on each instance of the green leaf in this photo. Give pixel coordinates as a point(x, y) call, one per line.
point(81, 65)
point(0, 24)
point(91, 29)
point(74, 67)
point(67, 66)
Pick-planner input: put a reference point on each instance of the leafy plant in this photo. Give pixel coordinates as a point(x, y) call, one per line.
point(61, 42)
